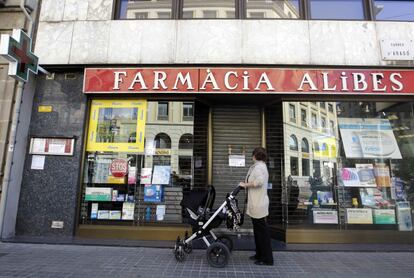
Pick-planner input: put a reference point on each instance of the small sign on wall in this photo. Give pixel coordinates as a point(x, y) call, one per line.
point(57, 225)
point(397, 50)
point(52, 146)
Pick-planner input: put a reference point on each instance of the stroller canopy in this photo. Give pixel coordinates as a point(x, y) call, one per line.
point(199, 198)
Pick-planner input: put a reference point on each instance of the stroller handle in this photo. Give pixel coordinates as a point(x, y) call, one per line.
point(236, 191)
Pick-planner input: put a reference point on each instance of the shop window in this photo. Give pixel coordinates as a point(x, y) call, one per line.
point(305, 167)
point(186, 142)
point(162, 141)
point(209, 9)
point(316, 147)
point(314, 120)
point(293, 143)
point(305, 145)
point(188, 112)
point(330, 107)
point(322, 105)
point(332, 127)
point(337, 9)
point(163, 111)
point(393, 10)
point(128, 176)
point(145, 9)
point(323, 122)
point(184, 163)
point(294, 166)
point(272, 9)
point(304, 117)
point(316, 168)
point(292, 113)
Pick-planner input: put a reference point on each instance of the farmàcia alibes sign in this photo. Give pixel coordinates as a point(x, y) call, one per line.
point(248, 80)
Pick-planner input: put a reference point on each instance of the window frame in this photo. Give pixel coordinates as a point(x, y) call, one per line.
point(241, 12)
point(163, 117)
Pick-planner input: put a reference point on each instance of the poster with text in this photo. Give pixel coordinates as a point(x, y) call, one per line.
point(325, 217)
point(161, 174)
point(349, 177)
point(359, 216)
point(368, 138)
point(146, 176)
point(382, 175)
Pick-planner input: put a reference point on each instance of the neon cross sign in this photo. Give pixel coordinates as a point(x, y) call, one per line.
point(17, 49)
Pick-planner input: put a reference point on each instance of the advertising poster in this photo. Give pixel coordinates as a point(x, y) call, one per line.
point(384, 216)
point(325, 217)
point(146, 176)
point(366, 175)
point(128, 211)
point(382, 175)
point(368, 138)
point(153, 193)
point(325, 197)
point(132, 175)
point(398, 189)
point(349, 177)
point(160, 212)
point(404, 216)
point(359, 216)
point(161, 174)
point(117, 126)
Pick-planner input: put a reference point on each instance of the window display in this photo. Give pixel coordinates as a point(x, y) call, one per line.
point(360, 173)
point(132, 171)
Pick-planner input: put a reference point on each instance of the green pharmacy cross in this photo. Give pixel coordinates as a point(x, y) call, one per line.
point(17, 49)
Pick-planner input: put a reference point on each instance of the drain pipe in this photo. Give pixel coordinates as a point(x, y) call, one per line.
point(13, 130)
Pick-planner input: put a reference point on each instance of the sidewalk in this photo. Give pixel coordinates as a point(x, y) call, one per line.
point(42, 260)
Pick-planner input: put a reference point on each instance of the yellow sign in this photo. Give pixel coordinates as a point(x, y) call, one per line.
point(117, 126)
point(327, 147)
point(162, 152)
point(44, 108)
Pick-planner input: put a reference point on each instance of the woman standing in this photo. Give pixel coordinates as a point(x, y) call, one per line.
point(258, 206)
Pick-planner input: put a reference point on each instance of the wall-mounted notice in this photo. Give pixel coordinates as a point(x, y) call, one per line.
point(52, 146)
point(368, 138)
point(38, 162)
point(237, 160)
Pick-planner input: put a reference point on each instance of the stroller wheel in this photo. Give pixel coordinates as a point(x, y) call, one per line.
point(188, 248)
point(227, 241)
point(179, 254)
point(218, 254)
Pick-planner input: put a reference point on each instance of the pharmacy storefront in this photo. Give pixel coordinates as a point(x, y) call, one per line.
point(340, 148)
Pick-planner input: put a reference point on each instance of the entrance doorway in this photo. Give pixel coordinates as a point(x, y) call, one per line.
point(236, 132)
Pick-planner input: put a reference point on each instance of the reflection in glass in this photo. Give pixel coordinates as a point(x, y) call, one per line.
point(145, 9)
point(117, 125)
point(361, 163)
point(209, 9)
point(337, 9)
point(394, 10)
point(272, 9)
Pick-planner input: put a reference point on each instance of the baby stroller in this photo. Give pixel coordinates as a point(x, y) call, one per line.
point(201, 216)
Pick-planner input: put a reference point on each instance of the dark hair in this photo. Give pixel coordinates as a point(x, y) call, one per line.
point(260, 154)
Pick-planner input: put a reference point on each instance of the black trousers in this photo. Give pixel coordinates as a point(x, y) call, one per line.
point(262, 240)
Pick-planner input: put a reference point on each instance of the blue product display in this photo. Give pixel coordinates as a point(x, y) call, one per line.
point(153, 193)
point(148, 214)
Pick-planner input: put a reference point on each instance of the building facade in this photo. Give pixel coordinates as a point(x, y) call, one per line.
point(148, 100)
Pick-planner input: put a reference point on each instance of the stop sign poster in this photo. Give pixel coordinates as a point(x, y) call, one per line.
point(119, 168)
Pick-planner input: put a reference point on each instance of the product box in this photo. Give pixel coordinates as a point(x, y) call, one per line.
point(115, 214)
point(103, 214)
point(153, 193)
point(128, 211)
point(94, 211)
point(384, 216)
point(114, 195)
point(98, 194)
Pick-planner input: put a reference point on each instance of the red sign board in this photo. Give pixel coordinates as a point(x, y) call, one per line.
point(119, 168)
point(248, 81)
